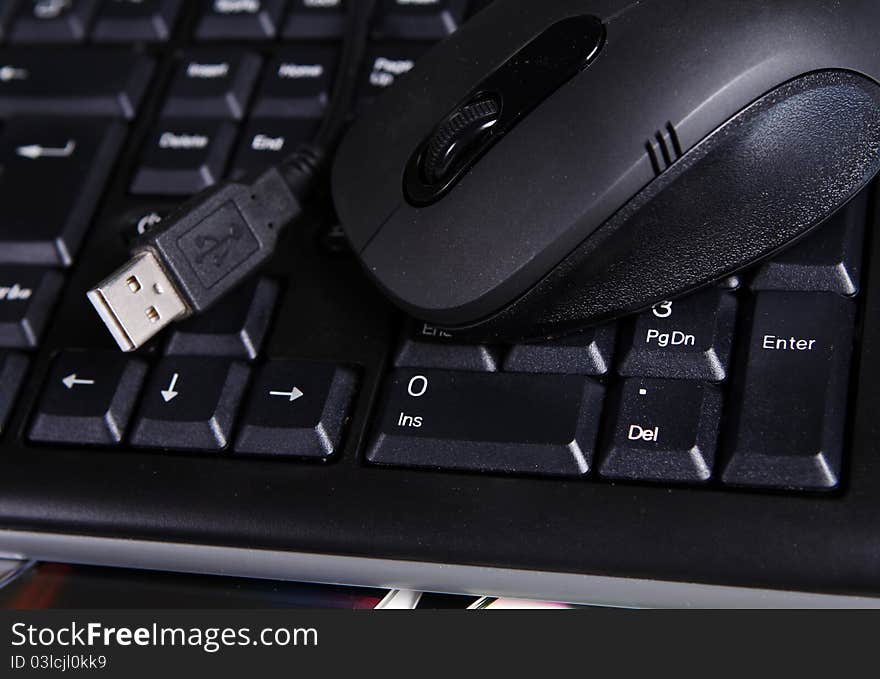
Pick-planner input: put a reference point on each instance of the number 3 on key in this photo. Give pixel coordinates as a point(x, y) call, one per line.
point(662, 309)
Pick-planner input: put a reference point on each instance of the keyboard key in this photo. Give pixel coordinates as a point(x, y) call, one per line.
point(588, 353)
point(297, 409)
point(135, 221)
point(69, 159)
point(297, 83)
point(662, 430)
point(27, 296)
point(53, 21)
point(828, 260)
point(315, 20)
point(70, 82)
point(13, 368)
point(190, 404)
point(88, 398)
point(384, 65)
point(7, 10)
point(267, 142)
point(239, 19)
point(212, 84)
point(425, 346)
point(420, 20)
point(235, 328)
point(183, 157)
point(490, 422)
point(136, 20)
point(689, 338)
point(788, 419)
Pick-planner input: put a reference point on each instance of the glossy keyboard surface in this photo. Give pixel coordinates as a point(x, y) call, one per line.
point(722, 438)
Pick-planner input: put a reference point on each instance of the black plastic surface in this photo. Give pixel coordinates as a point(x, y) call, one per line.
point(498, 103)
point(329, 312)
point(765, 179)
point(580, 156)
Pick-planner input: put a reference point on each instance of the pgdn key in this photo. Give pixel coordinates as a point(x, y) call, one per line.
point(490, 422)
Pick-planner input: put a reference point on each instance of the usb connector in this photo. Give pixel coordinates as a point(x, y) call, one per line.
point(212, 243)
point(137, 301)
point(194, 257)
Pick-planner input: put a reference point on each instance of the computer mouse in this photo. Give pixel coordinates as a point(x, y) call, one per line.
point(556, 164)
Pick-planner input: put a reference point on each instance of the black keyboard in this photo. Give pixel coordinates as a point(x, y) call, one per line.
point(727, 440)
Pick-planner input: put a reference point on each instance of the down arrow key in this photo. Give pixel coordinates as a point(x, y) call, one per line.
point(170, 393)
point(191, 403)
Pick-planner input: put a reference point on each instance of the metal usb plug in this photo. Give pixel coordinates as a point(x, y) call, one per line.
point(196, 256)
point(137, 301)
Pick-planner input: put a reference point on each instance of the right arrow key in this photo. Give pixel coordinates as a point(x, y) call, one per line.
point(297, 409)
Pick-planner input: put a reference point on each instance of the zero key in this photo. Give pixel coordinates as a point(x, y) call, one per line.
point(489, 422)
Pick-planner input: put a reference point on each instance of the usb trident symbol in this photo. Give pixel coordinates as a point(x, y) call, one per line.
point(216, 247)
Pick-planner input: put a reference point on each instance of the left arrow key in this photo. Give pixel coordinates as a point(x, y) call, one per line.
point(72, 381)
point(88, 398)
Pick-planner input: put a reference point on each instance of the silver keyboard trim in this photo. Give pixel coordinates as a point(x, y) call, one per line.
point(412, 575)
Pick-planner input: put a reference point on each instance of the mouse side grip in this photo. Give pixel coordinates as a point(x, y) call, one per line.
point(761, 181)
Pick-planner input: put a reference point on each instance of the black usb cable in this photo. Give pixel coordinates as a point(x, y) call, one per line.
point(221, 236)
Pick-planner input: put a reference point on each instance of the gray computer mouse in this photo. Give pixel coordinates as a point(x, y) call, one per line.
point(557, 163)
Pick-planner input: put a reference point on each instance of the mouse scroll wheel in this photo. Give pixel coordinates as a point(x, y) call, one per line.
point(458, 134)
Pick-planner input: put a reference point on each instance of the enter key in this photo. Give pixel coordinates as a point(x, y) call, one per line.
point(788, 432)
